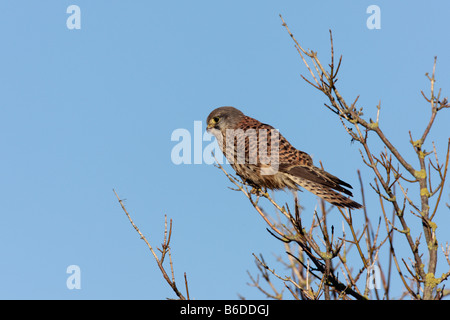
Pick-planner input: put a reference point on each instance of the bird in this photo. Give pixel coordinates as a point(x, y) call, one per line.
point(263, 158)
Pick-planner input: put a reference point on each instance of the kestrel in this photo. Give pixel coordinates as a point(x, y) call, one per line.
point(263, 158)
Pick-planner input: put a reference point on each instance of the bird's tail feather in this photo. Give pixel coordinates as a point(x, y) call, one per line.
point(320, 177)
point(328, 194)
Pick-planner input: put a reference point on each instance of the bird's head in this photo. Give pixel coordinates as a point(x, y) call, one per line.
point(223, 118)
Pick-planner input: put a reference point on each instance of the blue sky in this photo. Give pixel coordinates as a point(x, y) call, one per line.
point(85, 111)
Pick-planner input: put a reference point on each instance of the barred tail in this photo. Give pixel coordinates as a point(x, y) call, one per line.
point(328, 194)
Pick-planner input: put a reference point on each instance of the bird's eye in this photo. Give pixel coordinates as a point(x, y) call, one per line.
point(216, 119)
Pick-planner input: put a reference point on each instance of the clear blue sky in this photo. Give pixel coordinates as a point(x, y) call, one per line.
point(85, 111)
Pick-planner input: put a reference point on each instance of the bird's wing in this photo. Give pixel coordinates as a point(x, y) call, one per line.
point(316, 175)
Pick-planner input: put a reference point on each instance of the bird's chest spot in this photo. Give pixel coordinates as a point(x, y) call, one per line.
point(251, 146)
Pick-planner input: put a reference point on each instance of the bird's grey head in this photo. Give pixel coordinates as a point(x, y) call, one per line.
point(223, 118)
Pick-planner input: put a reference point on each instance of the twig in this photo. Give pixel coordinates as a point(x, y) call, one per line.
point(165, 249)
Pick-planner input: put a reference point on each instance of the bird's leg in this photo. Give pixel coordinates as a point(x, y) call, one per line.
point(258, 191)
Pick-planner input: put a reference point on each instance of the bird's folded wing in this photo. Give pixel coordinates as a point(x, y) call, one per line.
point(317, 175)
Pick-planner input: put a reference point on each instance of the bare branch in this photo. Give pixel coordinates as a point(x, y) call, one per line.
point(165, 249)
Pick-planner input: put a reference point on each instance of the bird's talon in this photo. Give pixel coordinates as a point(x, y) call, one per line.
point(256, 191)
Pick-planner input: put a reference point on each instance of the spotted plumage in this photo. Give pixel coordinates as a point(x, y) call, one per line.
point(263, 158)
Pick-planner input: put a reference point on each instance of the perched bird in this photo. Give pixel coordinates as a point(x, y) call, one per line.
point(263, 158)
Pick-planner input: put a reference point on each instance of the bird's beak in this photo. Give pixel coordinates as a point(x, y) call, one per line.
point(209, 126)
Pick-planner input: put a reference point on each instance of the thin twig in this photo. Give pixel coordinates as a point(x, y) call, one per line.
point(158, 261)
